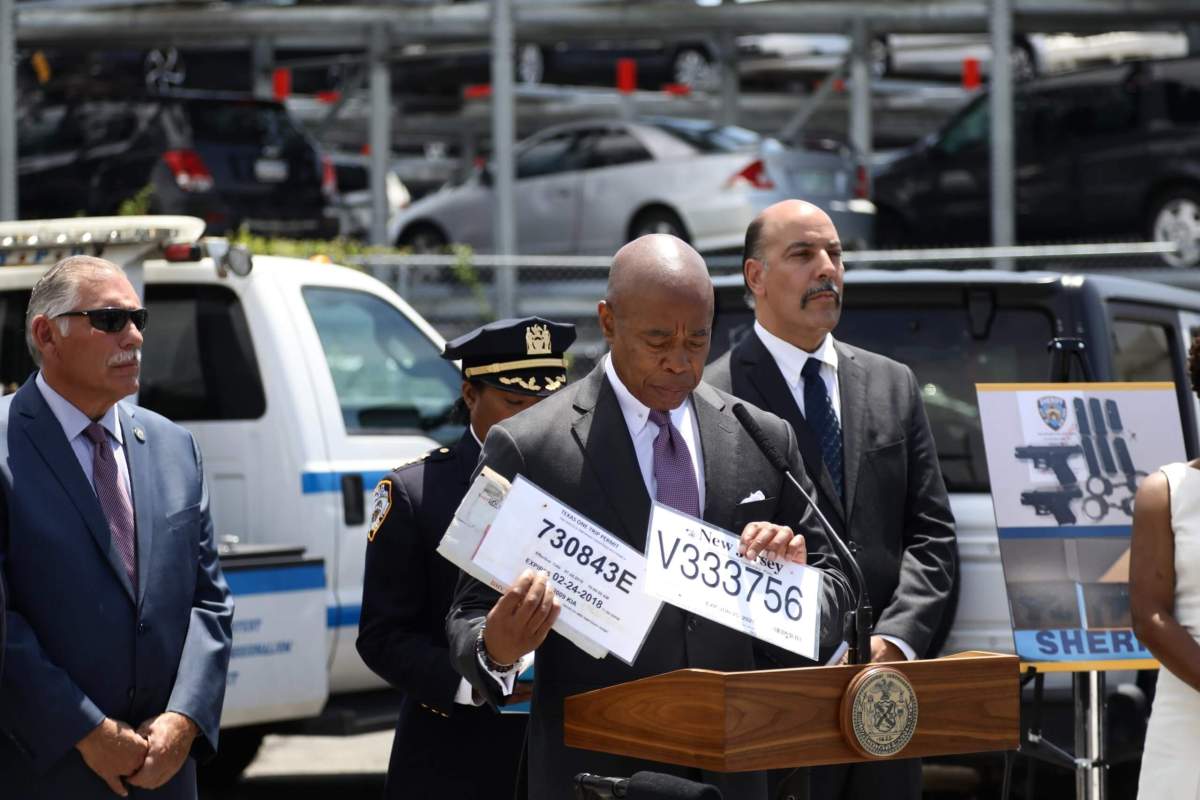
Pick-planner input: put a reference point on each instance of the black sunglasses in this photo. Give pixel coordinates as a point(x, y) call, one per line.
point(111, 320)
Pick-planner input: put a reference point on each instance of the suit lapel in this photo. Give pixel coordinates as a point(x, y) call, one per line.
point(603, 437)
point(47, 437)
point(852, 383)
point(776, 396)
point(718, 444)
point(137, 456)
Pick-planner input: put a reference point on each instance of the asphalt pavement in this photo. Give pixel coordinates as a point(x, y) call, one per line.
point(312, 767)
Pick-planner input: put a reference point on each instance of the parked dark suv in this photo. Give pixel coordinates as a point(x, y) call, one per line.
point(1105, 154)
point(226, 158)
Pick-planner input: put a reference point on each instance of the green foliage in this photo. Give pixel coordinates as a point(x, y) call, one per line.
point(137, 205)
point(466, 274)
point(352, 253)
point(339, 250)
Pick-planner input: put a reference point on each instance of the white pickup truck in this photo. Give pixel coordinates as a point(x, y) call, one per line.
point(304, 383)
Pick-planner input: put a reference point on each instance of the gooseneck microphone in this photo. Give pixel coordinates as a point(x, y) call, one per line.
point(857, 623)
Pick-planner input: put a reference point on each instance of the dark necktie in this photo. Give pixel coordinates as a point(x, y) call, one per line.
point(673, 468)
point(823, 421)
point(114, 499)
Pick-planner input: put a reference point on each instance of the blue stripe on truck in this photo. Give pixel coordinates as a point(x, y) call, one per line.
point(318, 482)
point(342, 616)
point(275, 579)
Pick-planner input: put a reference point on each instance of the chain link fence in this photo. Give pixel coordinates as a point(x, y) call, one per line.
point(460, 291)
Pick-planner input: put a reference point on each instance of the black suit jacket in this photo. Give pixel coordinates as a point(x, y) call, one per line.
point(896, 514)
point(407, 590)
point(576, 446)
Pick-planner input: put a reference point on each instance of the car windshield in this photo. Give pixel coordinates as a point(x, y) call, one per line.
point(389, 376)
point(242, 122)
point(707, 137)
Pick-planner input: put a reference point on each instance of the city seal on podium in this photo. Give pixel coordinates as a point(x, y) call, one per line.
point(879, 712)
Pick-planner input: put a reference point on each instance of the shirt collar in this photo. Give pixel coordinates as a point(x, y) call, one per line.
point(636, 413)
point(791, 359)
point(72, 420)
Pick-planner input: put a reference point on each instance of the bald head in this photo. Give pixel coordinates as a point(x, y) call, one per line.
point(654, 261)
point(658, 319)
point(775, 215)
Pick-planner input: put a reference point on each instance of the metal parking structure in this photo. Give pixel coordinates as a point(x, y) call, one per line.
point(357, 27)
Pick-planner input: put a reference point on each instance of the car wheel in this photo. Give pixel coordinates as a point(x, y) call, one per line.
point(693, 68)
point(1024, 63)
point(880, 57)
point(423, 238)
point(531, 65)
point(1176, 218)
point(657, 220)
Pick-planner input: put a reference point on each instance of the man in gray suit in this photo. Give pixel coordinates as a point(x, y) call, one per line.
point(118, 616)
point(641, 425)
point(863, 433)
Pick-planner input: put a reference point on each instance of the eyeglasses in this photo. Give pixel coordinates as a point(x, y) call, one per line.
point(111, 320)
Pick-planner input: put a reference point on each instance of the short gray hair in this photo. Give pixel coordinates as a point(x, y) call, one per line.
point(57, 292)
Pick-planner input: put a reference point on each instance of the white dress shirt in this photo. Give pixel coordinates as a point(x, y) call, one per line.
point(790, 360)
point(74, 422)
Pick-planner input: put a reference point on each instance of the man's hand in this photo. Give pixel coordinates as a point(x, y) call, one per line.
point(113, 750)
point(777, 542)
point(521, 618)
point(883, 650)
point(170, 736)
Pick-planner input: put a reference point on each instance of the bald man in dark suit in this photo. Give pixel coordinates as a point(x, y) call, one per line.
point(642, 425)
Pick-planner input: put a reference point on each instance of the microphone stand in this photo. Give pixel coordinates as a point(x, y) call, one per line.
point(858, 622)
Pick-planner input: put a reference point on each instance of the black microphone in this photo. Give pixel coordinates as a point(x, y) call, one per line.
point(857, 624)
point(642, 786)
point(597, 787)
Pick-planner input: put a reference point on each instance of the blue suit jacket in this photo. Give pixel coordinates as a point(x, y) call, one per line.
point(81, 646)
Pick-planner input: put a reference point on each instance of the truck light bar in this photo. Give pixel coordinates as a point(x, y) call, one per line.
point(43, 242)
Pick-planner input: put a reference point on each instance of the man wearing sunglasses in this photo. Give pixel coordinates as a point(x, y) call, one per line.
point(119, 621)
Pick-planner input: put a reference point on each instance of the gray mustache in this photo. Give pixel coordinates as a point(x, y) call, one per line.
point(126, 357)
point(826, 285)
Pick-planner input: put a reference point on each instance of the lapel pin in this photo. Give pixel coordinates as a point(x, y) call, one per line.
point(139, 434)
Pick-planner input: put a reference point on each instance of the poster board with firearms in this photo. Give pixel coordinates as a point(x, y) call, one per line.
point(1065, 461)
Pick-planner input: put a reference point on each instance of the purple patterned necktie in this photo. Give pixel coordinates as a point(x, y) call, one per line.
point(673, 467)
point(114, 499)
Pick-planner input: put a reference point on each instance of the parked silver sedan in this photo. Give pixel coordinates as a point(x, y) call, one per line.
point(589, 187)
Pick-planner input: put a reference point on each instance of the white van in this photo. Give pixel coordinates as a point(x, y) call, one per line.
point(303, 382)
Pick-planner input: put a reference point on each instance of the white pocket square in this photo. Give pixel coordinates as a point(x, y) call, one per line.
point(755, 496)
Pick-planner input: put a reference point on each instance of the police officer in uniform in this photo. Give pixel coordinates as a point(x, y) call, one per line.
point(447, 746)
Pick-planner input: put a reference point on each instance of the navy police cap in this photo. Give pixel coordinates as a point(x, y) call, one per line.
point(525, 356)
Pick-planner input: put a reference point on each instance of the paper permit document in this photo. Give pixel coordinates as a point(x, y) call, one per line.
point(501, 529)
point(598, 577)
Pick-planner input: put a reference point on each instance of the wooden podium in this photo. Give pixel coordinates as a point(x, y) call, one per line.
point(740, 721)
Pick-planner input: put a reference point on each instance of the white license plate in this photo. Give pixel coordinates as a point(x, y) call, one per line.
point(270, 170)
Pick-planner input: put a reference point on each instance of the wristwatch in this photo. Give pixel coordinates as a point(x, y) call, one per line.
point(488, 661)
